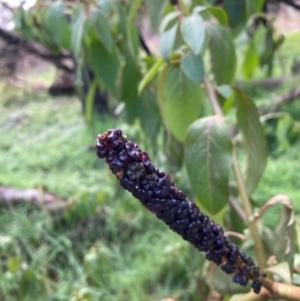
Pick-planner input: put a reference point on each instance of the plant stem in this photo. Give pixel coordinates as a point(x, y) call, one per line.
point(258, 246)
point(212, 97)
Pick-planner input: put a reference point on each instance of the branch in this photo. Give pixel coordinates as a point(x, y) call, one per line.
point(37, 197)
point(274, 290)
point(37, 49)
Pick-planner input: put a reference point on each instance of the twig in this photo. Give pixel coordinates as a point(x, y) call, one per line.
point(212, 97)
point(37, 49)
point(277, 199)
point(258, 246)
point(235, 234)
point(36, 197)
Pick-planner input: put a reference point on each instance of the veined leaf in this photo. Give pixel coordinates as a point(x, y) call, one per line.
point(193, 67)
point(208, 157)
point(102, 27)
point(167, 19)
point(161, 99)
point(222, 52)
point(58, 26)
point(193, 32)
point(131, 76)
point(182, 101)
point(218, 12)
point(251, 61)
point(166, 42)
point(104, 64)
point(254, 139)
point(77, 31)
point(236, 10)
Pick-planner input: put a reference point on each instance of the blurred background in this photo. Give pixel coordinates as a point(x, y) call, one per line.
point(67, 230)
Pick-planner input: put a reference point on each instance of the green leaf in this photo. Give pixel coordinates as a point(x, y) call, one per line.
point(236, 10)
point(102, 27)
point(131, 76)
point(181, 101)
point(224, 90)
point(150, 75)
point(192, 66)
point(251, 62)
point(218, 12)
point(166, 42)
point(161, 100)
point(208, 160)
point(193, 33)
point(167, 19)
point(222, 52)
point(254, 139)
point(77, 30)
point(255, 5)
point(89, 101)
point(155, 8)
point(104, 64)
point(148, 113)
point(57, 25)
point(132, 38)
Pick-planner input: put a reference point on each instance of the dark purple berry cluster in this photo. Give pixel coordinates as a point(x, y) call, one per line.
point(157, 193)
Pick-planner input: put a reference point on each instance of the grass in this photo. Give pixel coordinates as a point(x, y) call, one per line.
point(104, 246)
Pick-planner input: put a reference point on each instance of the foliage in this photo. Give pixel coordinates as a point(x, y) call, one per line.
point(198, 65)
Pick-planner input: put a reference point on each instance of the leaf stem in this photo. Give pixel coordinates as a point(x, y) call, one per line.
point(258, 246)
point(251, 223)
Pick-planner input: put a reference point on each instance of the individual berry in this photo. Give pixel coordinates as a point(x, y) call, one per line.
point(232, 255)
point(214, 257)
point(150, 181)
point(228, 268)
point(176, 193)
point(162, 192)
point(180, 225)
point(114, 140)
point(256, 285)
point(206, 227)
point(133, 151)
point(182, 213)
point(174, 202)
point(127, 184)
point(101, 149)
point(113, 160)
point(256, 272)
point(135, 171)
point(241, 279)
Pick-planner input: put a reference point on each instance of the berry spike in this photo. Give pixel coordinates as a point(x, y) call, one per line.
point(156, 191)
